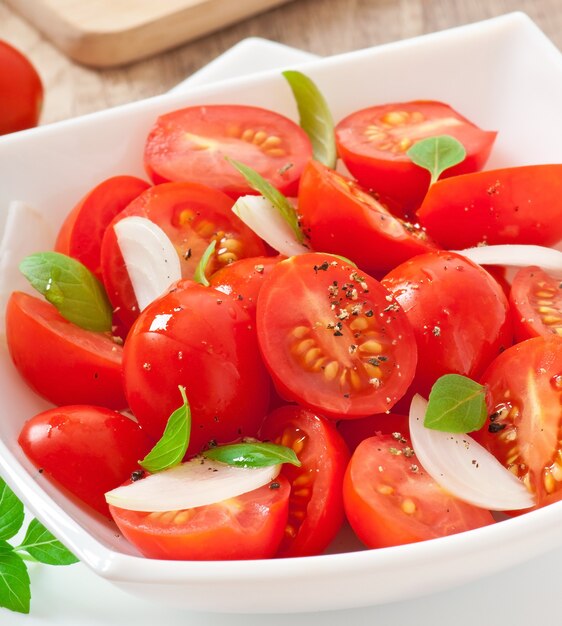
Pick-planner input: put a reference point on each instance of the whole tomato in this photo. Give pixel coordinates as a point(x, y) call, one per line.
point(21, 91)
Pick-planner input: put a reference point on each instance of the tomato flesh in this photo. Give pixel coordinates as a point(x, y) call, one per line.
point(87, 367)
point(249, 526)
point(373, 143)
point(390, 500)
point(338, 216)
point(191, 145)
point(89, 450)
point(315, 505)
point(524, 428)
point(536, 301)
point(343, 347)
point(511, 205)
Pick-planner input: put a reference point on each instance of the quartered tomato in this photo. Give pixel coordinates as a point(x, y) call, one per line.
point(355, 431)
point(62, 362)
point(21, 91)
point(338, 216)
point(333, 338)
point(512, 205)
point(192, 215)
point(390, 500)
point(82, 231)
point(523, 428)
point(536, 301)
point(243, 279)
point(249, 526)
point(373, 143)
point(459, 314)
point(87, 449)
point(315, 505)
point(192, 143)
point(199, 338)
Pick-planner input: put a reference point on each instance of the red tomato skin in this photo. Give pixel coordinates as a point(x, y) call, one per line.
point(394, 174)
point(536, 303)
point(388, 503)
point(82, 231)
point(203, 340)
point(311, 309)
point(60, 361)
point(316, 486)
point(524, 386)
point(192, 215)
point(355, 431)
point(511, 205)
point(338, 216)
point(21, 91)
point(212, 532)
point(89, 450)
point(170, 154)
point(459, 314)
point(243, 279)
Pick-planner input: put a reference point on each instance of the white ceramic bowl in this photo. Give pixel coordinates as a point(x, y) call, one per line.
point(503, 74)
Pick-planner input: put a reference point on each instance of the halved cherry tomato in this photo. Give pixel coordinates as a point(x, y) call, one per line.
point(536, 301)
point(82, 231)
point(316, 504)
point(87, 449)
point(523, 428)
point(333, 338)
point(373, 143)
point(243, 279)
point(249, 526)
point(339, 216)
point(355, 431)
point(459, 314)
point(512, 205)
point(390, 500)
point(62, 362)
point(21, 91)
point(192, 143)
point(199, 338)
point(192, 215)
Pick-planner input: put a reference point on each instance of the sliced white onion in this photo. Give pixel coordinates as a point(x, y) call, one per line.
point(197, 482)
point(515, 255)
point(263, 218)
point(464, 468)
point(150, 258)
point(26, 232)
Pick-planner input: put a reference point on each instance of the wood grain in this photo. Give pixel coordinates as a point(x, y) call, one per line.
point(321, 26)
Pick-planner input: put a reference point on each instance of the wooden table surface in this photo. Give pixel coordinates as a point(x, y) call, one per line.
point(324, 27)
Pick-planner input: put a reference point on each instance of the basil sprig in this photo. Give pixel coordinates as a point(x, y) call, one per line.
point(39, 544)
point(71, 287)
point(173, 444)
point(315, 117)
point(256, 454)
point(271, 193)
point(199, 275)
point(456, 404)
point(437, 154)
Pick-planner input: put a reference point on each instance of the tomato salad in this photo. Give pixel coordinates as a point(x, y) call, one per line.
point(304, 316)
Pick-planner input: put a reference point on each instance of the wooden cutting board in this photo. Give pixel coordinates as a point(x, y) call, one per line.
point(105, 33)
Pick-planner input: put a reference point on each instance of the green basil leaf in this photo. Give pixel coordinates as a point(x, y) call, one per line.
point(15, 586)
point(315, 117)
point(70, 286)
point(11, 512)
point(43, 546)
point(199, 275)
point(252, 454)
point(171, 448)
point(267, 190)
point(456, 405)
point(437, 154)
